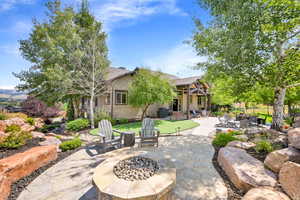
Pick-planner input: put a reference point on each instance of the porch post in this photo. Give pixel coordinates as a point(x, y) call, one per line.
point(188, 102)
point(112, 102)
point(209, 102)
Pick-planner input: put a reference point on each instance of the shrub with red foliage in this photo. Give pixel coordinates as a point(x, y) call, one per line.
point(37, 108)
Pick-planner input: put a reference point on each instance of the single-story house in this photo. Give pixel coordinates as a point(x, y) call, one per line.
point(192, 93)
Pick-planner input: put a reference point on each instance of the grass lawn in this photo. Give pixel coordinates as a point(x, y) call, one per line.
point(165, 126)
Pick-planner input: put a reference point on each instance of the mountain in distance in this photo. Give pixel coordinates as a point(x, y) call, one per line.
point(11, 95)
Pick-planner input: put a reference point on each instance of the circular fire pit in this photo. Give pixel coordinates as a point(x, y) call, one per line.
point(134, 176)
point(136, 168)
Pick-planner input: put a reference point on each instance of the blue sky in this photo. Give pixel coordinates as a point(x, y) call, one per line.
point(148, 33)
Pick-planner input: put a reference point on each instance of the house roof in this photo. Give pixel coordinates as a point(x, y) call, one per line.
point(117, 72)
point(186, 81)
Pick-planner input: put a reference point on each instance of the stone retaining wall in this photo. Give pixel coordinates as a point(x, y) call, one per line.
point(23, 164)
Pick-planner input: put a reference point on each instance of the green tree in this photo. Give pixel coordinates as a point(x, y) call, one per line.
point(253, 41)
point(149, 88)
point(69, 56)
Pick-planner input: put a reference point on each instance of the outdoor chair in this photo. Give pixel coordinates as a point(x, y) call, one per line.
point(148, 134)
point(106, 132)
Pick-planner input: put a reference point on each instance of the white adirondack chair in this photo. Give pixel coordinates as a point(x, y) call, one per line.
point(149, 134)
point(106, 132)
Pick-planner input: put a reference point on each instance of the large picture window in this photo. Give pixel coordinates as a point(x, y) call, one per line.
point(121, 97)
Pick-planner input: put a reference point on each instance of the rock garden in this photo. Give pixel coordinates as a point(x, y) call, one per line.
point(30, 145)
point(259, 163)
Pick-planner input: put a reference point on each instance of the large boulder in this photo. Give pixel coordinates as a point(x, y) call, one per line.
point(294, 137)
point(241, 145)
point(277, 158)
point(4, 187)
point(19, 165)
point(289, 178)
point(244, 171)
point(2, 125)
point(36, 134)
point(39, 122)
point(50, 140)
point(253, 131)
point(23, 164)
point(16, 120)
point(297, 122)
point(264, 193)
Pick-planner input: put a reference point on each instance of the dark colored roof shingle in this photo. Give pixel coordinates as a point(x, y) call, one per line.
point(114, 73)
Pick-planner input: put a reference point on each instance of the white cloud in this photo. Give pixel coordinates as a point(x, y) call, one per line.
point(9, 4)
point(178, 61)
point(7, 87)
point(113, 12)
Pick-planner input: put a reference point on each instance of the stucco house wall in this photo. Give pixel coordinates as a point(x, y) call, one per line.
point(124, 111)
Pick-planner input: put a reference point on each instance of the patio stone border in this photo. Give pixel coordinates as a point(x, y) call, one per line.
point(159, 186)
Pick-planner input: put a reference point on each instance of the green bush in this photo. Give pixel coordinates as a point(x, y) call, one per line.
point(70, 144)
point(101, 115)
point(13, 128)
point(222, 139)
point(263, 146)
point(48, 127)
point(122, 121)
point(3, 116)
point(217, 113)
point(289, 121)
point(15, 139)
point(30, 121)
point(78, 124)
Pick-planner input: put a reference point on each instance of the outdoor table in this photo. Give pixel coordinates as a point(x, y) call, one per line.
point(129, 139)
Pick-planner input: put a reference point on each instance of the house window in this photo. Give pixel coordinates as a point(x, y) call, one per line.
point(107, 99)
point(199, 100)
point(121, 97)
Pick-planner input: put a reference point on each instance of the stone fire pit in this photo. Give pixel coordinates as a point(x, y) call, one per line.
point(134, 176)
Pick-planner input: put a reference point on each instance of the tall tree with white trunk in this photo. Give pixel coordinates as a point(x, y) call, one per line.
point(69, 55)
point(253, 41)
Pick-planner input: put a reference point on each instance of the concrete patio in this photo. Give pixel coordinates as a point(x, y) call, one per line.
point(191, 154)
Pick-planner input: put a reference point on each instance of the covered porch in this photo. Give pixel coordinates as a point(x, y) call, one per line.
point(193, 98)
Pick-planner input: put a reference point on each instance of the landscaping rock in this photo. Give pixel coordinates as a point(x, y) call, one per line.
point(4, 187)
point(56, 120)
point(294, 137)
point(297, 122)
point(39, 122)
point(289, 178)
point(242, 137)
point(2, 125)
point(264, 193)
point(16, 120)
point(36, 134)
point(277, 158)
point(244, 171)
point(281, 140)
point(251, 132)
point(241, 145)
point(27, 128)
point(50, 140)
point(23, 164)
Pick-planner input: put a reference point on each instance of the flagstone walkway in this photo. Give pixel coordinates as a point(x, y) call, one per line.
point(191, 154)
